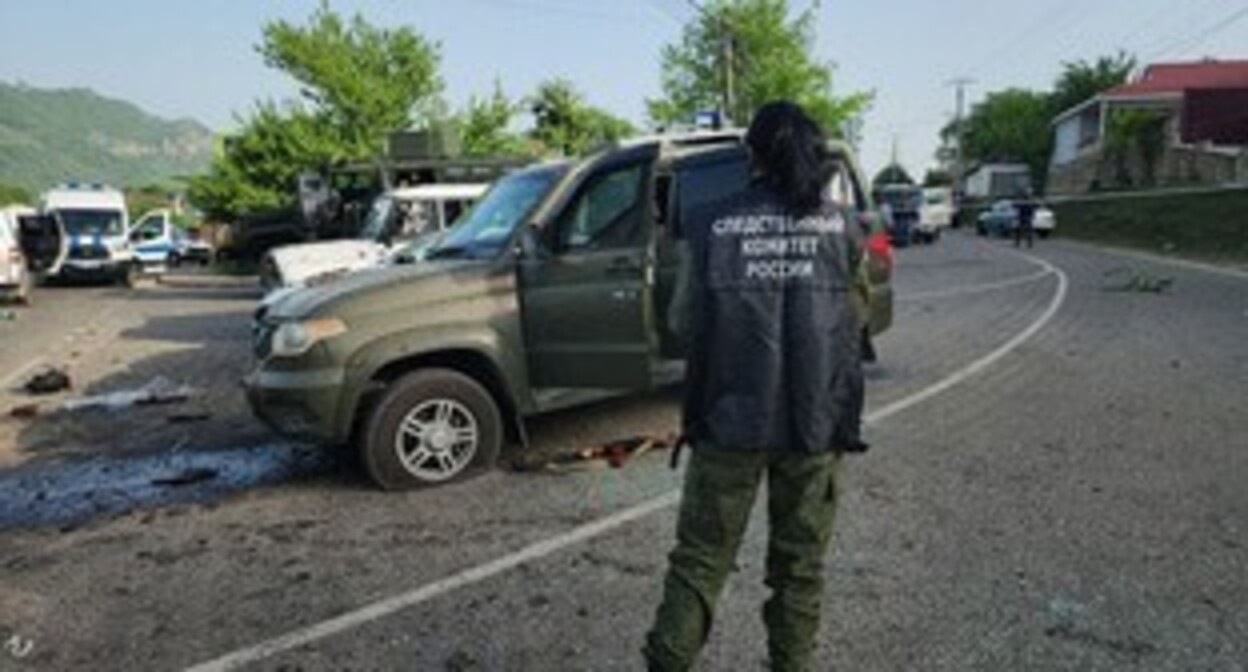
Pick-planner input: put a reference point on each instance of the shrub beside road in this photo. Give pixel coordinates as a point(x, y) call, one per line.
point(1208, 225)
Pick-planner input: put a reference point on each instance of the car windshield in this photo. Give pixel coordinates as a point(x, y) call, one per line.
point(901, 199)
point(91, 222)
point(484, 230)
point(378, 216)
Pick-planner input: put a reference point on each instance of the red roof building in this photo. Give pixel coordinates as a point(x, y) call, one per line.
point(1206, 103)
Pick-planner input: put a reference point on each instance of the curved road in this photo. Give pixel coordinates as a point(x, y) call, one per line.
point(1057, 482)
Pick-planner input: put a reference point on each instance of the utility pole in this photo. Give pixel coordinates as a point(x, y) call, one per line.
point(959, 85)
point(729, 94)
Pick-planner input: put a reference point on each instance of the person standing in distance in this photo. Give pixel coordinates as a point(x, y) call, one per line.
point(774, 390)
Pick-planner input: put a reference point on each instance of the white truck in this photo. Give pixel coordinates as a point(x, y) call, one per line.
point(398, 221)
point(935, 214)
point(96, 229)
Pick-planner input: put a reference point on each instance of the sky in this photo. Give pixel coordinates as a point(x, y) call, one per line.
point(197, 58)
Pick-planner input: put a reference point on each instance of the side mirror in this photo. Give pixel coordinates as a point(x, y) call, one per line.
point(529, 243)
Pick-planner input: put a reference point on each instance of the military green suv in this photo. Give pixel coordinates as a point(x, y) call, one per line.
point(552, 291)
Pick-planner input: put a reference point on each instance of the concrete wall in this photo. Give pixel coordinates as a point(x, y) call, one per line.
point(1176, 167)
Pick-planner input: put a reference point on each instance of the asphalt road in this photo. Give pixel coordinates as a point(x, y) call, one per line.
point(1056, 483)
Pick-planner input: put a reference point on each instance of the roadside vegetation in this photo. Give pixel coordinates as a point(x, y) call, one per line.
point(360, 82)
point(1013, 125)
point(1203, 225)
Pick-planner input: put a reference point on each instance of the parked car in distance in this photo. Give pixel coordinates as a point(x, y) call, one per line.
point(156, 241)
point(935, 214)
point(999, 220)
point(396, 219)
point(16, 279)
point(900, 204)
point(1002, 218)
point(1045, 221)
point(190, 247)
point(552, 291)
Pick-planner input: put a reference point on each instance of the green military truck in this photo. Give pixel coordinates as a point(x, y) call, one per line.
point(552, 291)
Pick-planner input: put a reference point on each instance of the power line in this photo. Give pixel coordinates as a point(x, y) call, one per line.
point(1144, 26)
point(1038, 28)
point(582, 11)
point(1185, 44)
point(666, 11)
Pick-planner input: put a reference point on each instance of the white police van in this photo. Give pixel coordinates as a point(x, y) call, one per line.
point(96, 227)
point(156, 241)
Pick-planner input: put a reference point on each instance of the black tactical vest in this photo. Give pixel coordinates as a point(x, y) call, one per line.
point(774, 359)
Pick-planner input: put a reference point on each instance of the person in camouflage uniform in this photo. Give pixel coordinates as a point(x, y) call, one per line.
point(769, 300)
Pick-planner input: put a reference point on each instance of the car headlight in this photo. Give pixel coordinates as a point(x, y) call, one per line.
point(293, 339)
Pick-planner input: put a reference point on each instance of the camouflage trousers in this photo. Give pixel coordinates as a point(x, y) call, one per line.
point(719, 491)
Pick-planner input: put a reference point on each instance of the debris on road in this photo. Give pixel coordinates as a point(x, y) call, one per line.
point(188, 477)
point(187, 418)
point(25, 412)
point(614, 455)
point(8, 315)
point(49, 381)
point(159, 391)
point(1138, 281)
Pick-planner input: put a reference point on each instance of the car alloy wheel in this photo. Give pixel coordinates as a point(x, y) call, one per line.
point(437, 440)
point(431, 427)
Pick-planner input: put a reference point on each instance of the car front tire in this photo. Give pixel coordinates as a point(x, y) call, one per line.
point(429, 428)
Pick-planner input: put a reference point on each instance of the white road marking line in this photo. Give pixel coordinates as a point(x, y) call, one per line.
point(1059, 297)
point(976, 289)
point(402, 601)
point(541, 549)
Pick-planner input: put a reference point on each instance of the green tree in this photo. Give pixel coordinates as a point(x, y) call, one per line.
point(1081, 80)
point(565, 124)
point(366, 81)
point(485, 127)
point(144, 199)
point(893, 173)
point(1011, 126)
point(258, 167)
point(14, 195)
point(359, 84)
point(766, 55)
point(1142, 131)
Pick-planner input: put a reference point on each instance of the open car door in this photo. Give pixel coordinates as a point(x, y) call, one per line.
point(587, 288)
point(43, 242)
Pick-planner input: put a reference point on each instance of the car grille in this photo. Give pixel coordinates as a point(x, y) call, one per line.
point(88, 252)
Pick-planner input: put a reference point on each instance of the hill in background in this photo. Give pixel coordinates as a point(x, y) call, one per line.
point(49, 136)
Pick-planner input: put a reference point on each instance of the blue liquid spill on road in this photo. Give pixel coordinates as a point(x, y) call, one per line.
point(73, 492)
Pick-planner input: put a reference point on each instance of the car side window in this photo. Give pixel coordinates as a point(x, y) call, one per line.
point(605, 213)
point(703, 183)
point(150, 229)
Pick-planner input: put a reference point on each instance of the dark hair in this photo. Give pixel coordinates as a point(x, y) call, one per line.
point(791, 153)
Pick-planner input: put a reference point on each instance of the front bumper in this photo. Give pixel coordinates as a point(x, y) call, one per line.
point(880, 309)
point(302, 404)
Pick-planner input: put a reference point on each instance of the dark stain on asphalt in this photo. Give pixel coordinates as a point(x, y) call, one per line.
point(623, 567)
point(1130, 647)
point(70, 493)
point(460, 661)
